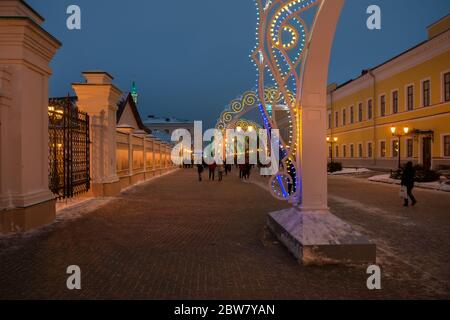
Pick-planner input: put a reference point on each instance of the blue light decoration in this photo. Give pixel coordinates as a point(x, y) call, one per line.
point(282, 34)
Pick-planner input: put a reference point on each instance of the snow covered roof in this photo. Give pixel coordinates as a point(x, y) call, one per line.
point(159, 120)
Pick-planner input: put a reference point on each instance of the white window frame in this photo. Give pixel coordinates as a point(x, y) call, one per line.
point(350, 151)
point(379, 148)
point(357, 150)
point(367, 149)
point(406, 96)
point(367, 109)
point(443, 84)
point(421, 91)
point(398, 101)
point(405, 152)
point(357, 112)
point(379, 105)
point(443, 156)
point(350, 114)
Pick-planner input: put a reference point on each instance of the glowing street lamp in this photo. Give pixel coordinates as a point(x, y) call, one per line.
point(399, 135)
point(332, 141)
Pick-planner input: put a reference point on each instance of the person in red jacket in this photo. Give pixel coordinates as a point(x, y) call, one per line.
point(212, 171)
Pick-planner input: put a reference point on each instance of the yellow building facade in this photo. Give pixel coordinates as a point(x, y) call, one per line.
point(409, 91)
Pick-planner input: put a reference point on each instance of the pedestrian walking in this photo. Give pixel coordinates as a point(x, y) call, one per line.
point(212, 171)
point(241, 171)
point(248, 169)
point(200, 171)
point(408, 176)
point(220, 171)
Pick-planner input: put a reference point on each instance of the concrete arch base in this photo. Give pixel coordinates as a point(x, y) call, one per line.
point(317, 238)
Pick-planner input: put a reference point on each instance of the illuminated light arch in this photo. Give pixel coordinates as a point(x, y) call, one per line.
point(274, 102)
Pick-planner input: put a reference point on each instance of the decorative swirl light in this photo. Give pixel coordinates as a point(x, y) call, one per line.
point(279, 54)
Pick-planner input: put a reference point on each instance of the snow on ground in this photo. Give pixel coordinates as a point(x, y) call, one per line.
point(350, 171)
point(437, 185)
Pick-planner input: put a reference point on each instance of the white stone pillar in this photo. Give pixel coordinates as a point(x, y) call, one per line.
point(98, 97)
point(26, 50)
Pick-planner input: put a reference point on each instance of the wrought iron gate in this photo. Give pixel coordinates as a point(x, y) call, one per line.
point(69, 154)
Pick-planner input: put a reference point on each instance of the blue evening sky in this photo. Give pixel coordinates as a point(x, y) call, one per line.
point(190, 58)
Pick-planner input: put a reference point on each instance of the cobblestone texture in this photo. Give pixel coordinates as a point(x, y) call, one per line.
point(176, 238)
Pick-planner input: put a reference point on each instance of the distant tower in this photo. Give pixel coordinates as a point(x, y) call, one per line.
point(134, 93)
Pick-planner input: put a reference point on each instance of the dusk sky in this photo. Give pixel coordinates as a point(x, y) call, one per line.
point(190, 58)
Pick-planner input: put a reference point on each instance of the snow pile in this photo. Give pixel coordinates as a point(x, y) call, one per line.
point(350, 171)
point(437, 185)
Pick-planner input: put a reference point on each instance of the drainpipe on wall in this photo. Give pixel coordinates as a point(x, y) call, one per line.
point(374, 116)
point(331, 125)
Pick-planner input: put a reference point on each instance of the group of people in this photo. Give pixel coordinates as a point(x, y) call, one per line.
point(244, 171)
point(213, 168)
point(220, 169)
point(407, 181)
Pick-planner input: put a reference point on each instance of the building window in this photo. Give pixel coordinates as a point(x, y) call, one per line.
point(360, 112)
point(410, 98)
point(352, 151)
point(344, 117)
point(395, 149)
point(369, 150)
point(446, 146)
point(360, 150)
point(352, 115)
point(426, 93)
point(383, 106)
point(337, 151)
point(383, 149)
point(329, 121)
point(336, 119)
point(409, 148)
point(447, 86)
point(369, 109)
point(344, 151)
point(395, 102)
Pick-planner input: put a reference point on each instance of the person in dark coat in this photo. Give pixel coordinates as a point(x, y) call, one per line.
point(408, 176)
point(199, 170)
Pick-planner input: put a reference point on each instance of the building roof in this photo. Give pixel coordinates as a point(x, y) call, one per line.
point(32, 10)
point(161, 135)
point(365, 72)
point(125, 100)
point(152, 120)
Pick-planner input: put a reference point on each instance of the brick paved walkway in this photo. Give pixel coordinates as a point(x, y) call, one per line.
point(175, 238)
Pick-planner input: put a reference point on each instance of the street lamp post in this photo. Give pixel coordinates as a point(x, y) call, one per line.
point(332, 141)
point(399, 135)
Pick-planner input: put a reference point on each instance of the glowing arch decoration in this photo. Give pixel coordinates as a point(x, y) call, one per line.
point(274, 107)
point(244, 104)
point(279, 56)
point(244, 124)
point(292, 54)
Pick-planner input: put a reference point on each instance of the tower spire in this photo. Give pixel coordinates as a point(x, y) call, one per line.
point(134, 93)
